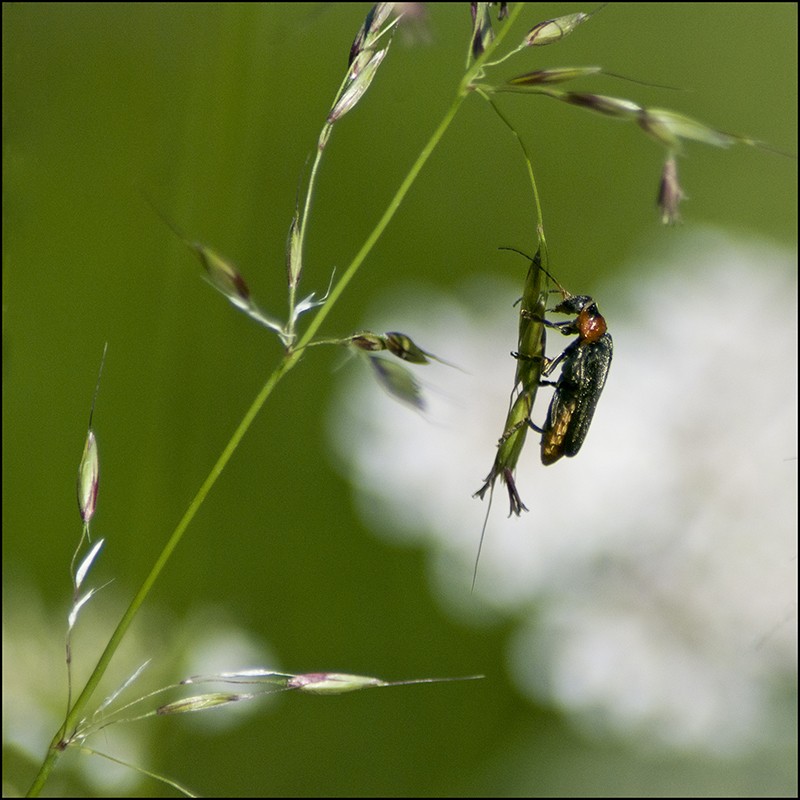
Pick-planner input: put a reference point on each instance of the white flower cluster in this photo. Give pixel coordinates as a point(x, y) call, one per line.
point(654, 577)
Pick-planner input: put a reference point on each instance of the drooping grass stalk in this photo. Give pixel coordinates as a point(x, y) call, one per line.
point(530, 356)
point(63, 736)
point(528, 165)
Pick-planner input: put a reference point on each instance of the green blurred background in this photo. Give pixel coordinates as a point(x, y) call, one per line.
point(212, 111)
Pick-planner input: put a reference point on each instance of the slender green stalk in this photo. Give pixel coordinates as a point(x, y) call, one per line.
point(65, 733)
point(303, 222)
point(528, 163)
point(62, 737)
point(392, 208)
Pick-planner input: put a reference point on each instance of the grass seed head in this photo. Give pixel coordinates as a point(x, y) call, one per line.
point(670, 193)
point(362, 72)
point(368, 341)
point(370, 30)
point(200, 702)
point(223, 275)
point(482, 31)
point(557, 75)
point(332, 682)
point(398, 381)
point(294, 257)
point(554, 30)
point(602, 104)
point(88, 478)
point(401, 345)
point(670, 128)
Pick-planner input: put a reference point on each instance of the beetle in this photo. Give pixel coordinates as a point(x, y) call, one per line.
point(584, 369)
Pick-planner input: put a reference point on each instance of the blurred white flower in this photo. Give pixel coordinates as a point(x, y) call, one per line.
point(654, 579)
